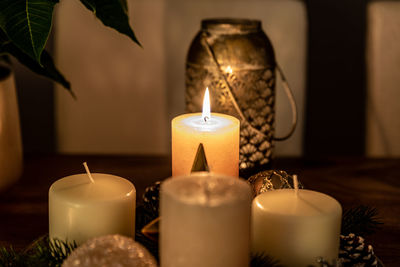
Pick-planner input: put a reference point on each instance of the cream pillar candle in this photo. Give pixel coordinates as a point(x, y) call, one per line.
point(80, 209)
point(296, 229)
point(219, 134)
point(205, 221)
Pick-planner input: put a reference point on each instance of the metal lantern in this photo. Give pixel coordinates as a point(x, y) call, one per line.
point(235, 60)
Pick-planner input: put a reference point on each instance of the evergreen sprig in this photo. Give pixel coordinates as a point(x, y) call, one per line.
point(42, 252)
point(10, 258)
point(361, 220)
point(263, 260)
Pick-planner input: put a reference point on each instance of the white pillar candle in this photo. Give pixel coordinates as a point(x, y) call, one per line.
point(80, 209)
point(296, 229)
point(219, 134)
point(205, 221)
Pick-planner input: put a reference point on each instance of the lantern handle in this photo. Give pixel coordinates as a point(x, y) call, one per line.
point(293, 106)
point(285, 84)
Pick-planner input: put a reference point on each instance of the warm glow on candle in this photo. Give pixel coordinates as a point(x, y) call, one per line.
point(206, 115)
point(219, 135)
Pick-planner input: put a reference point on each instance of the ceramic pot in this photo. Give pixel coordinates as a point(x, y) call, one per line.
point(10, 133)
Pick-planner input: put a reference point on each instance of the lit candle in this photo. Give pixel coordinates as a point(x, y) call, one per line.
point(219, 133)
point(205, 221)
point(83, 206)
point(296, 228)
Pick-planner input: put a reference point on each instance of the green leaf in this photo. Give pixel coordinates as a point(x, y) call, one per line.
point(27, 24)
point(47, 68)
point(113, 13)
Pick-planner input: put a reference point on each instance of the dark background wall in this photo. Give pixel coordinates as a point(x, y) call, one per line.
point(36, 106)
point(335, 105)
point(335, 109)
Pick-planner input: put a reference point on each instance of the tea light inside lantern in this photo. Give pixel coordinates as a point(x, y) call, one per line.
point(219, 133)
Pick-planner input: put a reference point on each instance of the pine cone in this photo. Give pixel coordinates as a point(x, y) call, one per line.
point(354, 252)
point(151, 197)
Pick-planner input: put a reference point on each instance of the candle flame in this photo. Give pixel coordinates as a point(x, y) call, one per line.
point(206, 106)
point(229, 70)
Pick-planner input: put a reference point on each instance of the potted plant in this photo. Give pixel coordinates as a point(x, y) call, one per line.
point(25, 26)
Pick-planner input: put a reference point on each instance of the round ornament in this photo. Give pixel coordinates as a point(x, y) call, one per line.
point(111, 251)
point(270, 180)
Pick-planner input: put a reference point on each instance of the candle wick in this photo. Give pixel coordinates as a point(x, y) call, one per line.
point(88, 172)
point(296, 185)
point(206, 118)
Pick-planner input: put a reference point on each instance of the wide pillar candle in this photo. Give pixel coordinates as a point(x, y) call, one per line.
point(80, 209)
point(205, 221)
point(296, 229)
point(219, 135)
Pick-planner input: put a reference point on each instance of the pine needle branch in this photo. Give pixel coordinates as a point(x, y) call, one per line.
point(361, 220)
point(10, 258)
point(262, 260)
point(41, 252)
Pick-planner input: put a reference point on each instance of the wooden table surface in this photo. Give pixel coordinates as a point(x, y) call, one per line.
point(352, 181)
